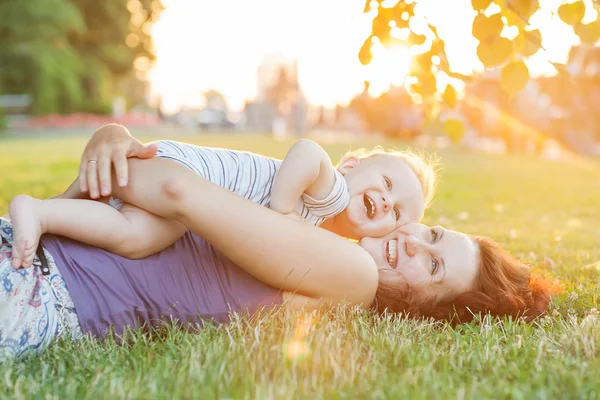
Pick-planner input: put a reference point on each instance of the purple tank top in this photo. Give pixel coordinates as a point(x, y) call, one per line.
point(188, 282)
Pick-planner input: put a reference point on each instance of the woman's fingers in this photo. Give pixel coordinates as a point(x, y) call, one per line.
point(104, 167)
point(121, 154)
point(142, 151)
point(119, 160)
point(92, 178)
point(83, 186)
point(110, 145)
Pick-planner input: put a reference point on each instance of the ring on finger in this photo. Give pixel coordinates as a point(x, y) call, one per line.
point(92, 162)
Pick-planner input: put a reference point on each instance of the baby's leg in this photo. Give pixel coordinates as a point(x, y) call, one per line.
point(25, 218)
point(87, 221)
point(132, 233)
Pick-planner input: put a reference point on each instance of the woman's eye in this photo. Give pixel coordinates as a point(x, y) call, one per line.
point(397, 214)
point(388, 182)
point(434, 236)
point(434, 265)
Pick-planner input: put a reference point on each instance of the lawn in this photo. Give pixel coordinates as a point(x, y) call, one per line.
point(545, 212)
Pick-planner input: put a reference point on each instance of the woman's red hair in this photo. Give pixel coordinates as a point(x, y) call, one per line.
point(503, 287)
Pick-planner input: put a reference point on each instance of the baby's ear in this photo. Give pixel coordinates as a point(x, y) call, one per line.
point(347, 164)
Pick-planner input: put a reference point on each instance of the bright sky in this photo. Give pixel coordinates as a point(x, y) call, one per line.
point(219, 44)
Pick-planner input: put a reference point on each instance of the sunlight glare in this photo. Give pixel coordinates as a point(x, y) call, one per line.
point(296, 349)
point(201, 45)
point(389, 67)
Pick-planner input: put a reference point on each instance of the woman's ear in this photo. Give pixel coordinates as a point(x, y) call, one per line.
point(348, 163)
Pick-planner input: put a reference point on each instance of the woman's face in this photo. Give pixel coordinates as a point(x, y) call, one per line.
point(432, 263)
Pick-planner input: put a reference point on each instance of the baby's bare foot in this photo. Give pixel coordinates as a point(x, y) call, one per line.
point(27, 227)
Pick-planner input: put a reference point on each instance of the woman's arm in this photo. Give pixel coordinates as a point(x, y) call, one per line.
point(276, 250)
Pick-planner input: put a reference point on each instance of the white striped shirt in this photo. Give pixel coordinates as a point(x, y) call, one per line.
point(251, 176)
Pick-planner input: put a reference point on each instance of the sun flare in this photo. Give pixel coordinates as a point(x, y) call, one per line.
point(197, 50)
point(390, 66)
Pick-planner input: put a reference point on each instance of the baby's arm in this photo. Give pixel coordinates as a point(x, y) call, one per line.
point(306, 168)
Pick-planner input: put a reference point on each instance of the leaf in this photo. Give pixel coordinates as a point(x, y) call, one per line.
point(527, 43)
point(402, 24)
point(462, 77)
point(485, 27)
point(420, 62)
point(572, 13)
point(480, 5)
point(523, 8)
point(454, 128)
point(402, 7)
point(449, 96)
point(381, 27)
point(438, 47)
point(399, 11)
point(444, 65)
point(514, 19)
point(561, 68)
point(493, 52)
point(514, 77)
point(415, 88)
point(415, 39)
point(588, 33)
point(426, 83)
point(386, 14)
point(364, 55)
point(433, 29)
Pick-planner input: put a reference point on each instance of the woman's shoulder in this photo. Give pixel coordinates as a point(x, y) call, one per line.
point(356, 275)
point(366, 277)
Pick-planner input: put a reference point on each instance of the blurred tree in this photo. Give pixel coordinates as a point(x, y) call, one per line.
point(71, 54)
point(35, 55)
point(116, 43)
point(494, 49)
point(392, 113)
point(2, 115)
point(215, 100)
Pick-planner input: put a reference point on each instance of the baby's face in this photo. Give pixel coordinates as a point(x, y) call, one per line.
point(384, 193)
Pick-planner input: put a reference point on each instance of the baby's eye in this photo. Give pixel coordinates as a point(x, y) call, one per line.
point(397, 214)
point(388, 182)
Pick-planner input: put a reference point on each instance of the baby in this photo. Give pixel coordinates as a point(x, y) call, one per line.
point(367, 194)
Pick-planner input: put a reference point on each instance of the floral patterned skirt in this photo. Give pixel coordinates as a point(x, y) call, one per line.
point(35, 309)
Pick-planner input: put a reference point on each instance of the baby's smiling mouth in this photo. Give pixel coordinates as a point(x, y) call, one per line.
point(391, 252)
point(369, 206)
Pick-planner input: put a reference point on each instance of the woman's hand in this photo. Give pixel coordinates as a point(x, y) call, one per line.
point(110, 145)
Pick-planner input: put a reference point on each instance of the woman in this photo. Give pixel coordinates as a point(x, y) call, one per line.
point(249, 257)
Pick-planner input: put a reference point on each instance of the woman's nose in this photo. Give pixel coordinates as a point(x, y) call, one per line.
point(412, 245)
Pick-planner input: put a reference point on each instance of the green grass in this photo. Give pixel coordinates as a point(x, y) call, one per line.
point(545, 212)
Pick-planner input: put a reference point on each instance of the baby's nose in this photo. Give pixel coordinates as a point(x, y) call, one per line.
point(386, 205)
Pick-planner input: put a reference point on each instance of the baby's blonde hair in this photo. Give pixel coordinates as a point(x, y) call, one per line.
point(425, 166)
